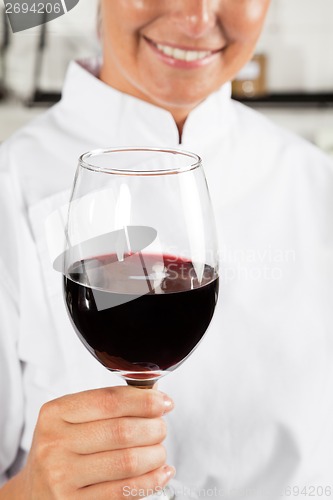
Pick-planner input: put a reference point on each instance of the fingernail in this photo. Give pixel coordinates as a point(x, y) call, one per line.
point(168, 403)
point(169, 471)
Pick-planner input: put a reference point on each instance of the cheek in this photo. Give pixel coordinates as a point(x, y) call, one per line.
point(126, 16)
point(256, 10)
point(133, 14)
point(243, 20)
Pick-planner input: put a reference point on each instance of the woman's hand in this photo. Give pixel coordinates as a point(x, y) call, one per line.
point(98, 444)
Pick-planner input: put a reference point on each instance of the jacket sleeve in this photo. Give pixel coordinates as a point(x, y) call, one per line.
point(11, 393)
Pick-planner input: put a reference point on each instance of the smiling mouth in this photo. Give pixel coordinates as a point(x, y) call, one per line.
point(182, 54)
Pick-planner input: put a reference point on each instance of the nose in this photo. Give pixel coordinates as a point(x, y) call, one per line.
point(195, 17)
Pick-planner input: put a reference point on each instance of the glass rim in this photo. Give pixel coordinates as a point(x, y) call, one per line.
point(84, 161)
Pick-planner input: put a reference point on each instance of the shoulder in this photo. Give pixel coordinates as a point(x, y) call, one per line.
point(263, 161)
point(25, 178)
point(26, 139)
point(41, 157)
point(273, 143)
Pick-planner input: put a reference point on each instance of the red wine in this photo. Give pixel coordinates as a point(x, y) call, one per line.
point(144, 313)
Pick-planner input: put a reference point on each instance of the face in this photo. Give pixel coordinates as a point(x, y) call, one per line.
point(174, 53)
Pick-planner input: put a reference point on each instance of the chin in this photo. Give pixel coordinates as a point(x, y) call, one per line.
point(185, 99)
point(193, 92)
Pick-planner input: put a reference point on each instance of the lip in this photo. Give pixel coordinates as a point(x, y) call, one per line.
point(182, 64)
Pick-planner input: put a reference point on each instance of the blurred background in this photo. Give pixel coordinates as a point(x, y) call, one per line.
point(290, 78)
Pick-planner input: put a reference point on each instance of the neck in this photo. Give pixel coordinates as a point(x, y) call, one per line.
point(179, 113)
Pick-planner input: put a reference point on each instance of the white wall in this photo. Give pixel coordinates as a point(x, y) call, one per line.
point(298, 39)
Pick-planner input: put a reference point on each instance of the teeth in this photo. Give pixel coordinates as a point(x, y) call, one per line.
point(183, 55)
point(179, 54)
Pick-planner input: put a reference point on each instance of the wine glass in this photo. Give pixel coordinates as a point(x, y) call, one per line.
point(141, 265)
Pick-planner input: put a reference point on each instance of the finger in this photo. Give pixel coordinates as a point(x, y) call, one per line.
point(111, 402)
point(138, 487)
point(118, 464)
point(114, 434)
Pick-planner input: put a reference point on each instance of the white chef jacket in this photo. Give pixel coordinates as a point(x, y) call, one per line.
point(254, 403)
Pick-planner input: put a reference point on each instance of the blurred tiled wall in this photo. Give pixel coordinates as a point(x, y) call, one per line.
point(297, 39)
point(73, 35)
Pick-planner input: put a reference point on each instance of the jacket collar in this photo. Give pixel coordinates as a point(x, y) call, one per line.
point(110, 113)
